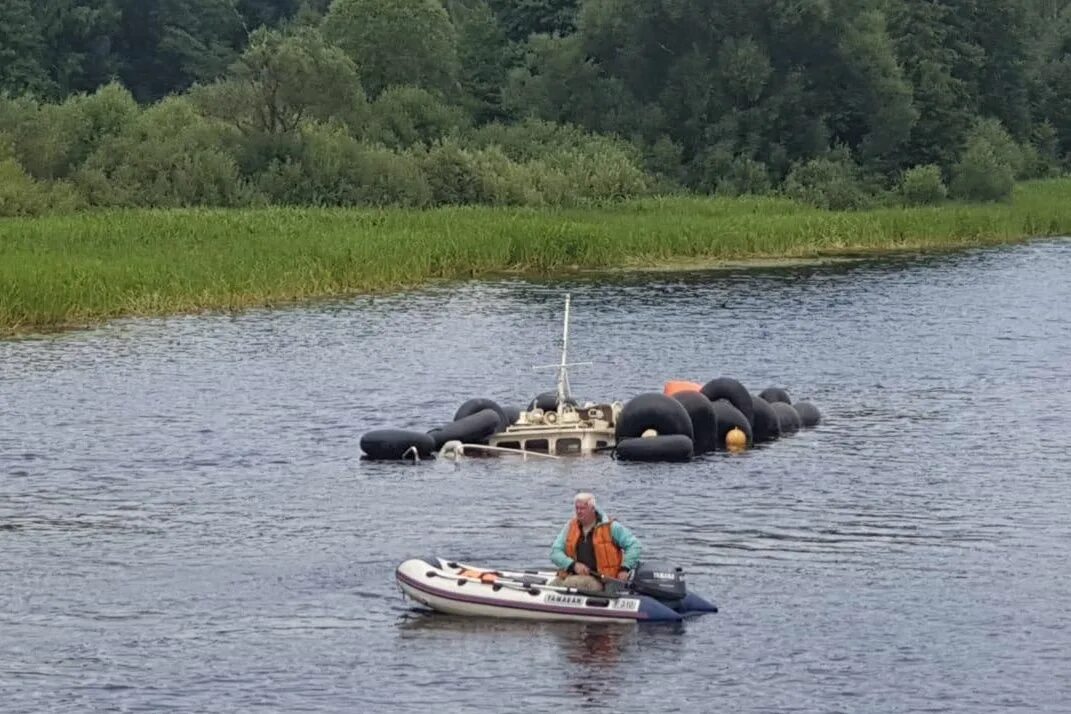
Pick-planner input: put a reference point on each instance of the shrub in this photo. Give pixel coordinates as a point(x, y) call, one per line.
point(408, 116)
point(832, 183)
point(453, 174)
point(745, 176)
point(169, 156)
point(20, 195)
point(923, 186)
point(981, 175)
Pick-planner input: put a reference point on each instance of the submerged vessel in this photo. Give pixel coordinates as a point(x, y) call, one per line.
point(656, 593)
point(555, 424)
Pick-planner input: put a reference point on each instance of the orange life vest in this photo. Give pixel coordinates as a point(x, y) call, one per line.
point(608, 556)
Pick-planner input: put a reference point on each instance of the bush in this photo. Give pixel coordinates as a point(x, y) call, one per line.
point(20, 195)
point(453, 175)
point(408, 116)
point(832, 183)
point(923, 186)
point(746, 176)
point(169, 156)
point(330, 168)
point(989, 165)
point(981, 175)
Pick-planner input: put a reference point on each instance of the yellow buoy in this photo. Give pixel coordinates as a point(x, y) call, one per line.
point(736, 439)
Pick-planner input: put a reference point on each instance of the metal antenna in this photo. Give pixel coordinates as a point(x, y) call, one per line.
point(563, 373)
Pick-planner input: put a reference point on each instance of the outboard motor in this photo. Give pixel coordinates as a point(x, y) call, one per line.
point(661, 581)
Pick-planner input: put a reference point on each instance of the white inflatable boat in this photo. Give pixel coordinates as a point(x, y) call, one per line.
point(656, 593)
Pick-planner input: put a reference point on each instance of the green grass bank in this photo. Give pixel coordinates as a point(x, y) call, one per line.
point(66, 271)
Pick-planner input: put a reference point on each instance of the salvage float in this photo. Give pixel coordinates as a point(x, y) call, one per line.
point(655, 593)
point(685, 420)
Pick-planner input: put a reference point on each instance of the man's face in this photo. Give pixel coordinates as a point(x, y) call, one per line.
point(585, 511)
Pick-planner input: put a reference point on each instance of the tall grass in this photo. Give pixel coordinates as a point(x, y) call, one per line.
point(62, 271)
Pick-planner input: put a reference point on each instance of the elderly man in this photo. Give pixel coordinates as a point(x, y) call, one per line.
point(592, 546)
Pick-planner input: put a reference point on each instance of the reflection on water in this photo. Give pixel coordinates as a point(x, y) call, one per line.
point(185, 524)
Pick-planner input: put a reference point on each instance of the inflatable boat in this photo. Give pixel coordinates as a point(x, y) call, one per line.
point(655, 593)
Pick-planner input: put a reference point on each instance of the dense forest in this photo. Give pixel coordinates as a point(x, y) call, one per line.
point(842, 104)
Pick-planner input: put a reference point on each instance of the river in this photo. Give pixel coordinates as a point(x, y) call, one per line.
point(185, 523)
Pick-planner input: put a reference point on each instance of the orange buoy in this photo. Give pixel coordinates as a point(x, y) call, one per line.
point(736, 439)
point(677, 385)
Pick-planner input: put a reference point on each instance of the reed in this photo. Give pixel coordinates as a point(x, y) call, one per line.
point(63, 271)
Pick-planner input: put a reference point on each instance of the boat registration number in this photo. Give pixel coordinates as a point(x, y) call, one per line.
point(625, 604)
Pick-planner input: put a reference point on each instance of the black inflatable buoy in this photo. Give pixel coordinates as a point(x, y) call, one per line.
point(731, 390)
point(672, 447)
point(730, 417)
point(809, 414)
point(704, 421)
point(396, 444)
point(512, 414)
point(653, 411)
point(764, 420)
point(478, 405)
point(473, 429)
point(787, 417)
point(548, 402)
point(775, 394)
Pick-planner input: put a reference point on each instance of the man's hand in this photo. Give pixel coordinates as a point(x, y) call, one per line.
point(622, 574)
point(581, 569)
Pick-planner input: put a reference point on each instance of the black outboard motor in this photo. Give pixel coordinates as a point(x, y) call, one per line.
point(661, 581)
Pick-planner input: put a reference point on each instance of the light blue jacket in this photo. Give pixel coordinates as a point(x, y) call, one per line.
point(622, 537)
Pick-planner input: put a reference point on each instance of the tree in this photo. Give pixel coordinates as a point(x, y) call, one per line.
point(281, 80)
point(484, 56)
point(77, 42)
point(934, 58)
point(165, 46)
point(21, 49)
point(266, 13)
point(523, 18)
point(396, 42)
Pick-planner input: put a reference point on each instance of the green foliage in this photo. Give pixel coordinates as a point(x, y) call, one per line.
point(1005, 149)
point(523, 18)
point(985, 172)
point(877, 110)
point(167, 45)
point(77, 43)
point(923, 186)
point(283, 79)
point(21, 50)
point(484, 56)
point(396, 42)
point(169, 156)
point(831, 182)
point(332, 168)
point(557, 82)
point(531, 138)
point(745, 177)
point(58, 140)
point(21, 195)
point(453, 174)
point(408, 116)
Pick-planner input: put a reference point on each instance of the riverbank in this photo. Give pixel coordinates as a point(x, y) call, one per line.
point(66, 271)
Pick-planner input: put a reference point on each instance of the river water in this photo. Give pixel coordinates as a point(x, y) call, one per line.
point(185, 523)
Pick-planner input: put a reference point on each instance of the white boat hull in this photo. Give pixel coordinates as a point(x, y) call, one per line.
point(460, 589)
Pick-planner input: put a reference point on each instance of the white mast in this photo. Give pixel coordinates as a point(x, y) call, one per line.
point(562, 367)
point(563, 376)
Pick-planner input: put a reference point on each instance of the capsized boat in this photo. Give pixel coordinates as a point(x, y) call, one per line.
point(655, 593)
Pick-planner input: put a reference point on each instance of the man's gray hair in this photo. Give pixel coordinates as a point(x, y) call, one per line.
point(584, 497)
